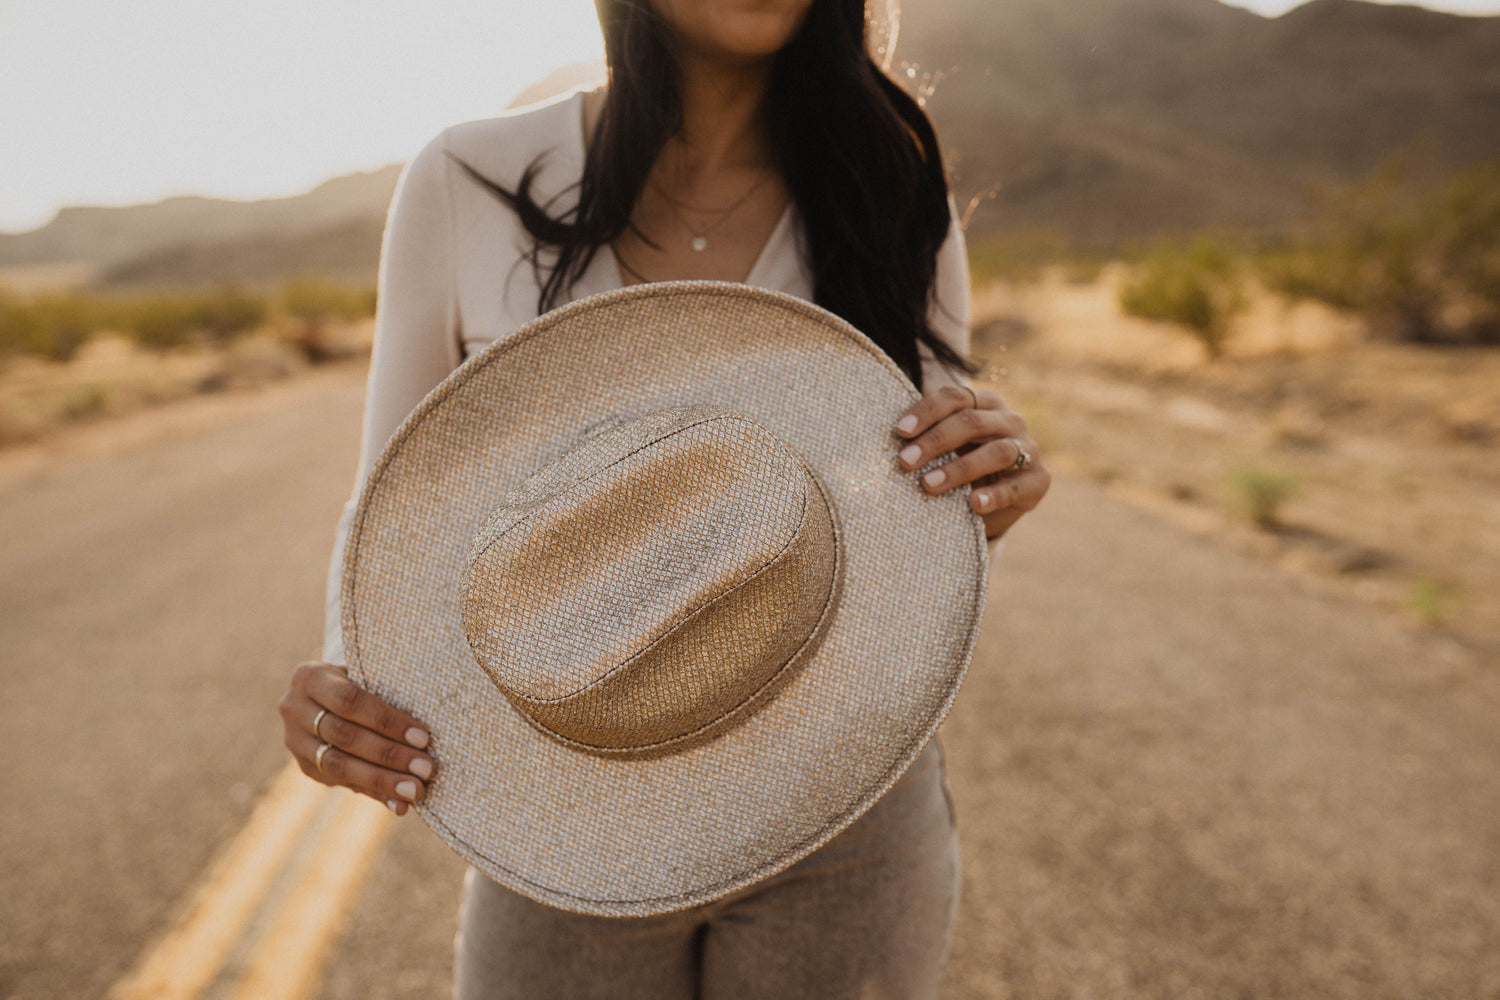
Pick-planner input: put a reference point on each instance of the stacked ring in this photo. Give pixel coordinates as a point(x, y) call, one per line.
point(317, 719)
point(1023, 459)
point(318, 757)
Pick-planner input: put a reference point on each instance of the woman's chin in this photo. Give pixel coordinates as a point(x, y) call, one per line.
point(745, 33)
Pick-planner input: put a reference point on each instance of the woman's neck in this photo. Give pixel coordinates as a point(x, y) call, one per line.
point(714, 195)
point(723, 120)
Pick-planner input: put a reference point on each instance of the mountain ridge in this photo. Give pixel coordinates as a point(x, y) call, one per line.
point(107, 234)
point(1177, 114)
point(1109, 120)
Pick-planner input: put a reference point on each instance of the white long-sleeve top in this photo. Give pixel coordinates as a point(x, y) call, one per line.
point(454, 276)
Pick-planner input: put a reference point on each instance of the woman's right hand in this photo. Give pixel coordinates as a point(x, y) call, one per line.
point(374, 748)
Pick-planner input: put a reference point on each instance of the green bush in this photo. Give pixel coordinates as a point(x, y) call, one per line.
point(167, 321)
point(229, 311)
point(159, 322)
point(1196, 285)
point(54, 326)
point(1258, 494)
point(51, 326)
point(1403, 253)
point(1016, 255)
point(1432, 601)
point(318, 301)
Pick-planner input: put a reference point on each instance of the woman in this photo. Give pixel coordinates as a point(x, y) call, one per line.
point(739, 140)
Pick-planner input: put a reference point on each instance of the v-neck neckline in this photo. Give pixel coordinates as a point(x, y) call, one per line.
point(779, 232)
point(777, 235)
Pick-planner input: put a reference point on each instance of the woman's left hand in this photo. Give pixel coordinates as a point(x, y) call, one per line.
point(994, 453)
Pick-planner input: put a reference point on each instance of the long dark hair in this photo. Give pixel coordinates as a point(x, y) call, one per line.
point(859, 156)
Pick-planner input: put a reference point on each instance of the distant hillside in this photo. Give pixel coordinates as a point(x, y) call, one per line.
point(348, 252)
point(112, 236)
point(1113, 119)
point(333, 231)
point(1110, 120)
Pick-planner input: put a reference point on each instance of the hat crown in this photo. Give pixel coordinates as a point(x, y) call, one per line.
point(652, 587)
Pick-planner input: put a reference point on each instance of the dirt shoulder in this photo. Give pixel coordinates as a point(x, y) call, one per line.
point(1387, 453)
point(112, 375)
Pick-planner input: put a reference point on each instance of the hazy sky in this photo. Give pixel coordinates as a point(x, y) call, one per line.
point(114, 103)
point(117, 103)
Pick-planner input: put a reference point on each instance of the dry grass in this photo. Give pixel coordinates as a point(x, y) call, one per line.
point(111, 376)
point(1392, 446)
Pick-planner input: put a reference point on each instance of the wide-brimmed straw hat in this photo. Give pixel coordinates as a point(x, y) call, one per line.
point(649, 571)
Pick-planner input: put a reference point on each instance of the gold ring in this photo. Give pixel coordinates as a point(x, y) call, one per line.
point(318, 757)
point(317, 719)
point(1023, 460)
point(973, 394)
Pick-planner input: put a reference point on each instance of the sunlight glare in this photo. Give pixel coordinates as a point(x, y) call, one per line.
point(122, 103)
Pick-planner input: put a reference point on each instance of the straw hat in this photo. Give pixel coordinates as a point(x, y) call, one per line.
point(649, 571)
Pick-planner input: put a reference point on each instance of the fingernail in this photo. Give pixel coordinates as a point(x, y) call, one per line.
point(407, 790)
point(984, 501)
point(393, 806)
point(417, 737)
point(934, 478)
point(421, 767)
point(907, 424)
point(910, 454)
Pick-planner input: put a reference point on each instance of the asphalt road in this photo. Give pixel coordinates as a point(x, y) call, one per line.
point(1179, 773)
point(154, 597)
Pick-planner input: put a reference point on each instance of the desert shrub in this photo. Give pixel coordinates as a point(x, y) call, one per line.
point(50, 326)
point(159, 322)
point(169, 320)
point(1328, 273)
point(1420, 259)
point(1431, 600)
point(1018, 256)
point(229, 311)
point(1259, 494)
point(1195, 284)
point(54, 326)
point(320, 314)
point(316, 300)
point(1469, 234)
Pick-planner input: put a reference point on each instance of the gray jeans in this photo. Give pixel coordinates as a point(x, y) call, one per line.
point(869, 915)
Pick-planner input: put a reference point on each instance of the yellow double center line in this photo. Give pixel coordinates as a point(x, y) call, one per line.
point(261, 922)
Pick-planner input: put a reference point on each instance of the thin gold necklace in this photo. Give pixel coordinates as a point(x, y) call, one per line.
point(699, 241)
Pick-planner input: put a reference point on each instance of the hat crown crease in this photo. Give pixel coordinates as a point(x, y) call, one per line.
point(564, 507)
point(651, 585)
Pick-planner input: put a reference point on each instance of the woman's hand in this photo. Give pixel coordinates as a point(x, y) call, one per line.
point(371, 747)
point(990, 439)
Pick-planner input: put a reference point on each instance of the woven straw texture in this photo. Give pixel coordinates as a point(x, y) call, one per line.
point(641, 833)
point(651, 588)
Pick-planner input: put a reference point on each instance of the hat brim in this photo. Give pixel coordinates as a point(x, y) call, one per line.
point(637, 837)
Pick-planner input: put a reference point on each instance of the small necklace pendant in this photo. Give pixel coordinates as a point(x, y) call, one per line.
point(699, 244)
